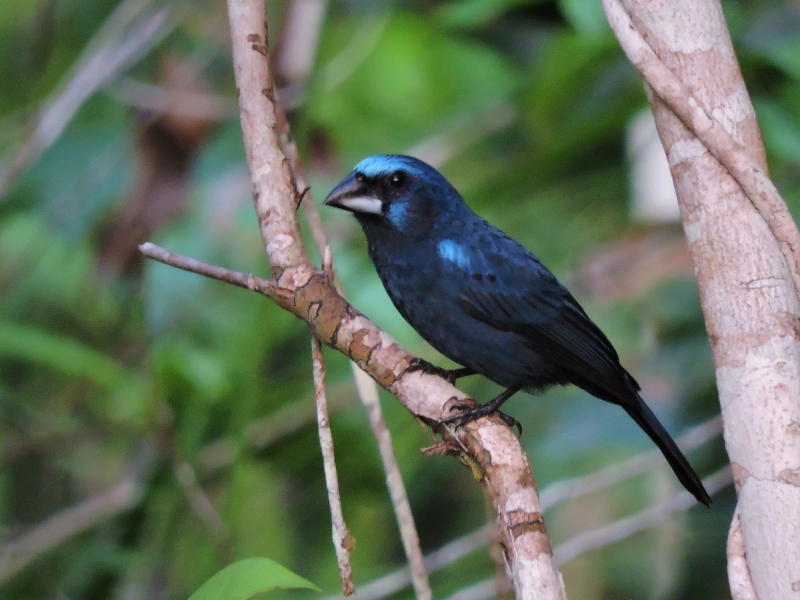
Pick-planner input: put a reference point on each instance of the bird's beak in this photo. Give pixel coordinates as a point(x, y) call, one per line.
point(353, 195)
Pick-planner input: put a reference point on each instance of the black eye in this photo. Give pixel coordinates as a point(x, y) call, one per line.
point(397, 180)
point(360, 178)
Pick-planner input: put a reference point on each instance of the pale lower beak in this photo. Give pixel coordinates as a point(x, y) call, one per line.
point(354, 196)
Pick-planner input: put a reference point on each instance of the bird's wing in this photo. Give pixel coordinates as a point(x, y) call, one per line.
point(524, 297)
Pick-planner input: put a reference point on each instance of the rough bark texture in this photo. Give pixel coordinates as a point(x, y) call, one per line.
point(301, 288)
point(746, 286)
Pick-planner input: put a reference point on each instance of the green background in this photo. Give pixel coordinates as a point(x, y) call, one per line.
point(111, 368)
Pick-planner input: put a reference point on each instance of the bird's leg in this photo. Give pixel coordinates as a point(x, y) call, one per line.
point(452, 375)
point(449, 375)
point(470, 413)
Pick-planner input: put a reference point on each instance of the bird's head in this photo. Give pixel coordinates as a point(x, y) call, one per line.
point(397, 192)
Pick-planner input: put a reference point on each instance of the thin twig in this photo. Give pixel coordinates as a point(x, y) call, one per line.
point(49, 534)
point(483, 590)
point(568, 489)
point(188, 104)
point(293, 417)
point(289, 148)
point(394, 480)
point(201, 504)
point(343, 542)
point(463, 132)
point(358, 49)
point(443, 557)
point(237, 278)
point(752, 178)
point(186, 477)
point(296, 51)
point(261, 433)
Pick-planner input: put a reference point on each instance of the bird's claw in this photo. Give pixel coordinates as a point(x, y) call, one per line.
point(449, 375)
point(469, 412)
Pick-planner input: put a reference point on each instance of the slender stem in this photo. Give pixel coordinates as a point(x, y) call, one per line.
point(237, 278)
point(343, 542)
point(394, 480)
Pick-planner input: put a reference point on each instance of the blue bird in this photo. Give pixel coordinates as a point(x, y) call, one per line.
point(483, 300)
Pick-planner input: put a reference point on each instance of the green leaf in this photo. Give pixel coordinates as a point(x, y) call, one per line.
point(246, 578)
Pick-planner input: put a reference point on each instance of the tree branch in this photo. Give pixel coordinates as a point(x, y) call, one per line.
point(552, 495)
point(49, 534)
point(645, 519)
point(20, 552)
point(298, 286)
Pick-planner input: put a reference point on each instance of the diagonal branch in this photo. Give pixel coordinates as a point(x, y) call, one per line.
point(18, 553)
point(645, 519)
point(552, 495)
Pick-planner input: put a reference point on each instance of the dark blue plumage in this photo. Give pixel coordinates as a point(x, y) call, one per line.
point(482, 299)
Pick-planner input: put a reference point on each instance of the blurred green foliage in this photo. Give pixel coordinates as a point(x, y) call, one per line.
point(112, 369)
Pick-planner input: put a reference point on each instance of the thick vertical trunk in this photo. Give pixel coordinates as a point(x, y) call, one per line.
point(746, 286)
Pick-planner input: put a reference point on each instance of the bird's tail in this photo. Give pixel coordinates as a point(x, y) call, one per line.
point(644, 417)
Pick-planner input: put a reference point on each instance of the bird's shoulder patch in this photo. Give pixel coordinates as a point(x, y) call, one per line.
point(452, 251)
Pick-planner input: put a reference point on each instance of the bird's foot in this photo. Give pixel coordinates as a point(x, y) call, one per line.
point(449, 375)
point(470, 412)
